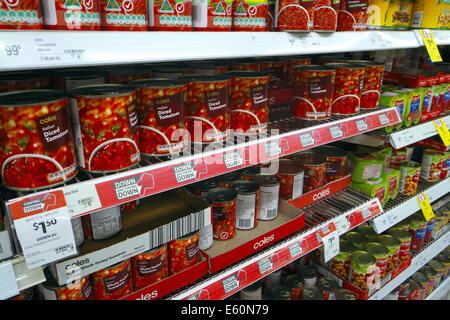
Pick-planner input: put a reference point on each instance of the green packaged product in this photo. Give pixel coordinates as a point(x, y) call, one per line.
point(393, 178)
point(397, 100)
point(373, 188)
point(409, 153)
point(365, 166)
point(413, 106)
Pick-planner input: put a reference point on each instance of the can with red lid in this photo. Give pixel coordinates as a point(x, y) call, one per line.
point(291, 175)
point(77, 290)
point(106, 127)
point(352, 15)
point(312, 92)
point(183, 252)
point(212, 15)
point(326, 15)
point(314, 165)
point(67, 80)
point(170, 15)
point(161, 109)
point(36, 146)
point(295, 15)
point(71, 14)
point(150, 267)
point(124, 15)
point(114, 282)
point(250, 15)
point(123, 75)
point(21, 14)
point(373, 81)
point(23, 80)
point(224, 203)
point(336, 167)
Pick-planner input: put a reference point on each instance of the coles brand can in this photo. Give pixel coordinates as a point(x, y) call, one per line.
point(381, 254)
point(77, 227)
point(21, 14)
point(114, 282)
point(212, 15)
point(404, 236)
point(161, 108)
point(71, 14)
point(170, 15)
point(295, 15)
point(246, 65)
point(277, 68)
point(347, 88)
point(250, 15)
point(409, 180)
point(326, 15)
point(314, 166)
point(249, 102)
point(312, 92)
point(250, 172)
point(393, 246)
point(291, 175)
point(183, 253)
point(102, 224)
point(123, 75)
point(150, 267)
point(373, 80)
point(36, 146)
point(106, 127)
point(207, 107)
point(224, 212)
point(336, 162)
point(78, 290)
point(67, 80)
point(352, 15)
point(170, 71)
point(206, 239)
point(124, 15)
point(23, 80)
point(432, 162)
point(292, 63)
point(269, 186)
point(247, 204)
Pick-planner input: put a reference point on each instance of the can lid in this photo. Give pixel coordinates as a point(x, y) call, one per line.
point(251, 171)
point(155, 83)
point(366, 230)
point(204, 77)
point(79, 73)
point(221, 195)
point(388, 241)
point(436, 265)
point(377, 250)
point(369, 63)
point(400, 234)
point(245, 187)
point(230, 177)
point(309, 158)
point(246, 74)
point(293, 281)
point(306, 272)
point(206, 185)
point(331, 151)
point(30, 97)
point(314, 67)
point(289, 166)
point(312, 293)
point(126, 70)
point(410, 164)
point(420, 278)
point(327, 284)
point(344, 294)
point(344, 65)
point(355, 238)
point(363, 258)
point(22, 76)
point(102, 90)
point(346, 246)
point(267, 180)
point(280, 292)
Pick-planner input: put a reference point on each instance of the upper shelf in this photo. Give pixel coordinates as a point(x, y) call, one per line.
point(55, 49)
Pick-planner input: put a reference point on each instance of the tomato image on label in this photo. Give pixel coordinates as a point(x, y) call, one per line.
point(295, 15)
point(21, 14)
point(71, 14)
point(171, 15)
point(325, 15)
point(124, 15)
point(352, 15)
point(250, 15)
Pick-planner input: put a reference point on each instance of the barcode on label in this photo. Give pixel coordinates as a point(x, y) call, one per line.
point(64, 248)
point(306, 139)
point(361, 125)
point(244, 223)
point(384, 119)
point(336, 132)
point(417, 19)
point(87, 202)
point(272, 213)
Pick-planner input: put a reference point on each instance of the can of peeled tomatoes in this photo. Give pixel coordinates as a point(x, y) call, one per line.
point(314, 165)
point(247, 204)
point(71, 15)
point(78, 233)
point(123, 75)
point(207, 107)
point(21, 14)
point(246, 65)
point(212, 15)
point(23, 80)
point(269, 195)
point(336, 166)
point(183, 253)
point(78, 290)
point(347, 88)
point(106, 127)
point(124, 15)
point(161, 109)
point(373, 81)
point(249, 102)
point(224, 212)
point(326, 15)
point(150, 267)
point(312, 91)
point(114, 282)
point(294, 15)
point(67, 80)
point(102, 224)
point(36, 149)
point(291, 175)
point(250, 15)
point(352, 15)
point(170, 15)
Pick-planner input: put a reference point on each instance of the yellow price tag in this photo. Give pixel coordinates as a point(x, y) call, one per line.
point(425, 205)
point(430, 43)
point(442, 129)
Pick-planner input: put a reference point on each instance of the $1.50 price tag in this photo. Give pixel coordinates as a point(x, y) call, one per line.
point(442, 129)
point(430, 44)
point(330, 239)
point(425, 205)
point(44, 228)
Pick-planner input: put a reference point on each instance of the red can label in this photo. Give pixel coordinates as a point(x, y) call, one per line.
point(121, 78)
point(183, 253)
point(290, 68)
point(106, 132)
point(80, 290)
point(295, 15)
point(382, 265)
point(21, 14)
point(314, 177)
point(71, 14)
point(373, 80)
point(250, 15)
point(353, 15)
point(149, 268)
point(291, 186)
point(404, 253)
point(170, 15)
point(325, 14)
point(113, 283)
point(335, 168)
point(216, 16)
point(278, 74)
point(347, 91)
point(224, 220)
point(252, 66)
point(12, 85)
point(124, 15)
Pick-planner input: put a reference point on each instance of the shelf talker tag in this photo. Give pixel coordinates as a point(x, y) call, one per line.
point(425, 205)
point(430, 44)
point(442, 129)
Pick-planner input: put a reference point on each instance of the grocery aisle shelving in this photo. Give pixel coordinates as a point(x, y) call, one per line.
point(440, 291)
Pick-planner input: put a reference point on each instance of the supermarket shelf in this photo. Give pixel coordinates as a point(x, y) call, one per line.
point(442, 37)
point(55, 49)
point(404, 206)
point(440, 291)
point(87, 194)
point(418, 262)
point(243, 274)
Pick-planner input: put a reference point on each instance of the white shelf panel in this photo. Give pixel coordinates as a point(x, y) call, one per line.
point(442, 37)
point(440, 291)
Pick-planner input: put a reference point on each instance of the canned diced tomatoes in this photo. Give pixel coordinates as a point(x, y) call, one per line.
point(183, 253)
point(160, 105)
point(352, 15)
point(214, 16)
point(291, 175)
point(336, 158)
point(36, 145)
point(124, 15)
point(78, 290)
point(250, 15)
point(292, 63)
point(71, 14)
point(207, 107)
point(123, 75)
point(106, 127)
point(249, 102)
point(295, 15)
point(278, 73)
point(246, 65)
point(314, 165)
point(114, 282)
point(23, 80)
point(67, 80)
point(373, 80)
point(224, 212)
point(209, 68)
point(326, 15)
point(170, 15)
point(150, 267)
point(21, 14)
point(312, 92)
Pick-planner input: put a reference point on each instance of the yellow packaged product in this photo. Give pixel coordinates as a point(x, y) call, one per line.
point(431, 14)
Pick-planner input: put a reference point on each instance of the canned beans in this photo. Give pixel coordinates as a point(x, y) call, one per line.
point(183, 253)
point(363, 268)
point(294, 15)
point(81, 15)
point(352, 15)
point(325, 15)
point(23, 80)
point(36, 146)
point(21, 14)
point(150, 267)
point(278, 73)
point(114, 282)
point(124, 15)
point(224, 212)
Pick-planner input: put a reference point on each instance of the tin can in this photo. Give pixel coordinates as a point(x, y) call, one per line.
point(347, 88)
point(405, 242)
point(295, 284)
point(280, 292)
point(201, 188)
point(150, 267)
point(272, 280)
point(210, 68)
point(249, 102)
point(250, 15)
point(206, 237)
point(183, 253)
point(105, 124)
point(224, 212)
point(340, 264)
point(422, 281)
point(71, 15)
point(336, 166)
point(250, 172)
point(409, 180)
point(352, 15)
point(445, 261)
point(207, 107)
point(327, 286)
point(294, 15)
point(429, 230)
point(247, 204)
point(393, 245)
point(308, 274)
point(21, 14)
point(66, 80)
point(431, 275)
point(271, 15)
point(312, 293)
point(376, 14)
point(363, 268)
point(433, 14)
point(312, 92)
point(439, 269)
point(432, 161)
point(381, 255)
point(78, 290)
point(212, 15)
point(129, 206)
point(175, 15)
point(23, 80)
point(114, 282)
point(394, 15)
point(123, 75)
point(36, 150)
point(445, 173)
point(226, 180)
point(373, 80)
point(344, 294)
point(277, 68)
point(326, 15)
point(314, 166)
point(357, 239)
point(252, 292)
point(393, 177)
point(292, 63)
point(269, 187)
point(246, 65)
point(170, 71)
point(161, 109)
point(417, 229)
point(102, 224)
point(291, 175)
point(77, 227)
point(124, 15)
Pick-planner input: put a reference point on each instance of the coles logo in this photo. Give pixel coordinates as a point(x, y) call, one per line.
point(180, 7)
point(264, 241)
point(128, 5)
point(321, 194)
point(149, 296)
point(252, 10)
point(12, 3)
point(88, 4)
